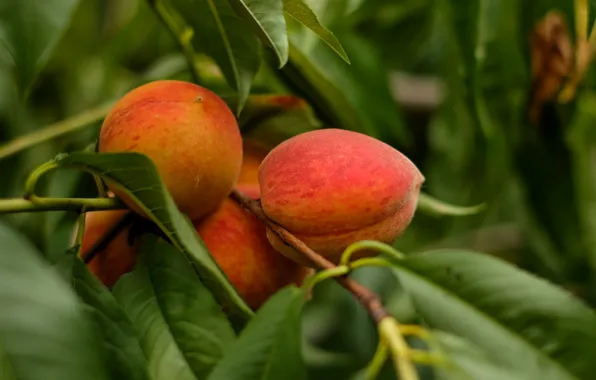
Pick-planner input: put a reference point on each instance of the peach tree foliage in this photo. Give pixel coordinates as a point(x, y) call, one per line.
point(285, 67)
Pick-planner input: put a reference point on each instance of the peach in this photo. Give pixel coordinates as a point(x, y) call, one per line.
point(189, 133)
point(252, 157)
point(238, 243)
point(334, 187)
point(119, 256)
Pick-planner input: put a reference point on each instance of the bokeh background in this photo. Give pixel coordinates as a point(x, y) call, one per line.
point(450, 84)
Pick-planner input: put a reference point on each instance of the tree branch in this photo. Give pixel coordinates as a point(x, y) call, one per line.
point(369, 300)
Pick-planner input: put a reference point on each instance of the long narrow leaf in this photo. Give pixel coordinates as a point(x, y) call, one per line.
point(136, 174)
point(300, 11)
point(267, 19)
point(523, 322)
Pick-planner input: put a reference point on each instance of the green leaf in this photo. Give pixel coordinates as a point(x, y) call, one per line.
point(267, 19)
point(182, 329)
point(65, 264)
point(341, 95)
point(302, 13)
point(591, 15)
point(363, 84)
point(521, 321)
point(123, 356)
point(30, 31)
point(221, 34)
point(270, 119)
point(270, 346)
point(581, 139)
point(136, 174)
point(6, 370)
point(271, 131)
point(436, 207)
point(468, 362)
point(43, 334)
point(330, 103)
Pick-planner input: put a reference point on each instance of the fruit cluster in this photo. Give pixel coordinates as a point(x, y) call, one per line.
point(329, 187)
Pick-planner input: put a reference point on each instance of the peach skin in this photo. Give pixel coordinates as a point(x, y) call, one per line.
point(119, 256)
point(189, 133)
point(334, 187)
point(238, 243)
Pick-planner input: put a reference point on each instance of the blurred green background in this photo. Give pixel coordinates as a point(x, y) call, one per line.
point(447, 83)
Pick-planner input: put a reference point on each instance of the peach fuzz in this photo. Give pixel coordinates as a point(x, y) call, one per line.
point(238, 243)
point(189, 133)
point(119, 256)
point(334, 187)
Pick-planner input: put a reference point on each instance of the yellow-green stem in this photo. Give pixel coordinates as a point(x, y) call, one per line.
point(17, 205)
point(377, 362)
point(369, 245)
point(182, 35)
point(52, 131)
point(34, 178)
point(581, 20)
point(389, 331)
point(370, 262)
point(324, 275)
point(80, 231)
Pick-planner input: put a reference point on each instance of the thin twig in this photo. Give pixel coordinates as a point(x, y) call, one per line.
point(369, 300)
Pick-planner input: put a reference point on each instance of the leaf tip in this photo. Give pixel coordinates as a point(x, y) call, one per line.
point(436, 207)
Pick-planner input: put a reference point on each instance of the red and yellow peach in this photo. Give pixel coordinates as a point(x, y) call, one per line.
point(189, 133)
point(334, 187)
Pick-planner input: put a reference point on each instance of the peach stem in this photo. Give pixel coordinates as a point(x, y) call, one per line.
point(370, 301)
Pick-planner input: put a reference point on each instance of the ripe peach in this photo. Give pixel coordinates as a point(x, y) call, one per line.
point(119, 256)
point(252, 157)
point(238, 243)
point(188, 132)
point(334, 187)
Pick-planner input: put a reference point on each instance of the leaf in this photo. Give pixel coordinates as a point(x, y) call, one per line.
point(436, 207)
point(270, 119)
point(468, 362)
point(30, 31)
point(521, 321)
point(365, 86)
point(302, 13)
point(6, 370)
point(580, 138)
point(123, 355)
point(330, 103)
point(224, 36)
point(43, 334)
point(591, 15)
point(136, 174)
point(64, 265)
point(267, 19)
point(182, 330)
point(342, 96)
point(270, 345)
point(271, 131)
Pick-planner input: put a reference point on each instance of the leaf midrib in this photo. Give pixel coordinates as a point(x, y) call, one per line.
point(265, 31)
point(167, 321)
point(506, 329)
point(226, 41)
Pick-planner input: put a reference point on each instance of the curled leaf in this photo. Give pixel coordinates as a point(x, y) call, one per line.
point(435, 207)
